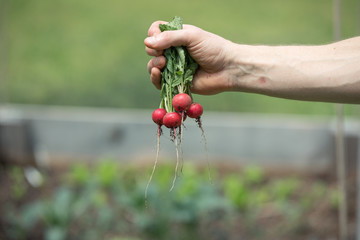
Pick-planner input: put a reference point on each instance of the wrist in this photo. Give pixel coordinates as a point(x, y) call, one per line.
point(249, 68)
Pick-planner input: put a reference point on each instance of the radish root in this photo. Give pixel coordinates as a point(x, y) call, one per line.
point(177, 160)
point(198, 121)
point(155, 163)
point(181, 140)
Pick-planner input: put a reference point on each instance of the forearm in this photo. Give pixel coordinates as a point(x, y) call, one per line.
point(329, 73)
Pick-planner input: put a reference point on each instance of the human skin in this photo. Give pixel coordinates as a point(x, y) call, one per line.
point(327, 73)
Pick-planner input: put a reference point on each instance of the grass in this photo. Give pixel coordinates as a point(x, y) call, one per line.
point(91, 53)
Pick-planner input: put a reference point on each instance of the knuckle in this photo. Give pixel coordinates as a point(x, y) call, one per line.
point(154, 28)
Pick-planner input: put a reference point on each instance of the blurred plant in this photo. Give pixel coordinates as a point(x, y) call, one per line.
point(106, 172)
point(184, 208)
point(60, 212)
point(286, 199)
point(334, 198)
point(106, 201)
point(56, 214)
point(79, 174)
point(18, 182)
point(124, 238)
point(253, 174)
point(240, 188)
point(282, 189)
point(236, 191)
point(314, 193)
point(20, 223)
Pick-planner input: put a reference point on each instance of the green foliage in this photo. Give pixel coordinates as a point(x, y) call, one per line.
point(19, 185)
point(124, 238)
point(107, 172)
point(99, 199)
point(238, 187)
point(60, 211)
point(22, 221)
point(79, 173)
point(254, 196)
point(107, 200)
point(335, 198)
point(179, 70)
point(236, 191)
point(254, 174)
point(282, 189)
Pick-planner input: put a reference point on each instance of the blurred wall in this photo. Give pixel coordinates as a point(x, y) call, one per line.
point(65, 134)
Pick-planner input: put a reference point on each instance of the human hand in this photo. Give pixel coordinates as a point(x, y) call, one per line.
point(213, 54)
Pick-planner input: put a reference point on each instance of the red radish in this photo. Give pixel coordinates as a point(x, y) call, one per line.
point(172, 120)
point(181, 102)
point(158, 115)
point(195, 110)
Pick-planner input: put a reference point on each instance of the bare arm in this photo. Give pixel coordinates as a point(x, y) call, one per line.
point(328, 73)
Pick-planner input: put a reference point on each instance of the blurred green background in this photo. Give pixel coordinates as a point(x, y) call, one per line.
point(91, 53)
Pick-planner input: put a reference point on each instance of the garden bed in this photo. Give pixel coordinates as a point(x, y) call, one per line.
point(106, 201)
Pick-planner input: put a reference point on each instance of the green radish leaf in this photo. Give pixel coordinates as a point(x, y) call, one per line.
point(181, 52)
point(188, 76)
point(169, 59)
point(176, 82)
point(175, 24)
point(178, 73)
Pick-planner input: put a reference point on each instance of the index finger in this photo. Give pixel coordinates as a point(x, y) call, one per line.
point(154, 28)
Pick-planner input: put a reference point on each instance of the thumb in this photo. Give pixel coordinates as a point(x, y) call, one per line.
point(168, 39)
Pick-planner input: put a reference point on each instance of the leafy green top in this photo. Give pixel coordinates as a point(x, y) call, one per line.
point(180, 68)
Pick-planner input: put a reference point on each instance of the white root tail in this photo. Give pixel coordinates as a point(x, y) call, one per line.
point(177, 160)
point(205, 147)
point(155, 164)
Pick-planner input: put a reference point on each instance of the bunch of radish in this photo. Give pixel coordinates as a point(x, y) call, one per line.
point(184, 107)
point(176, 100)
